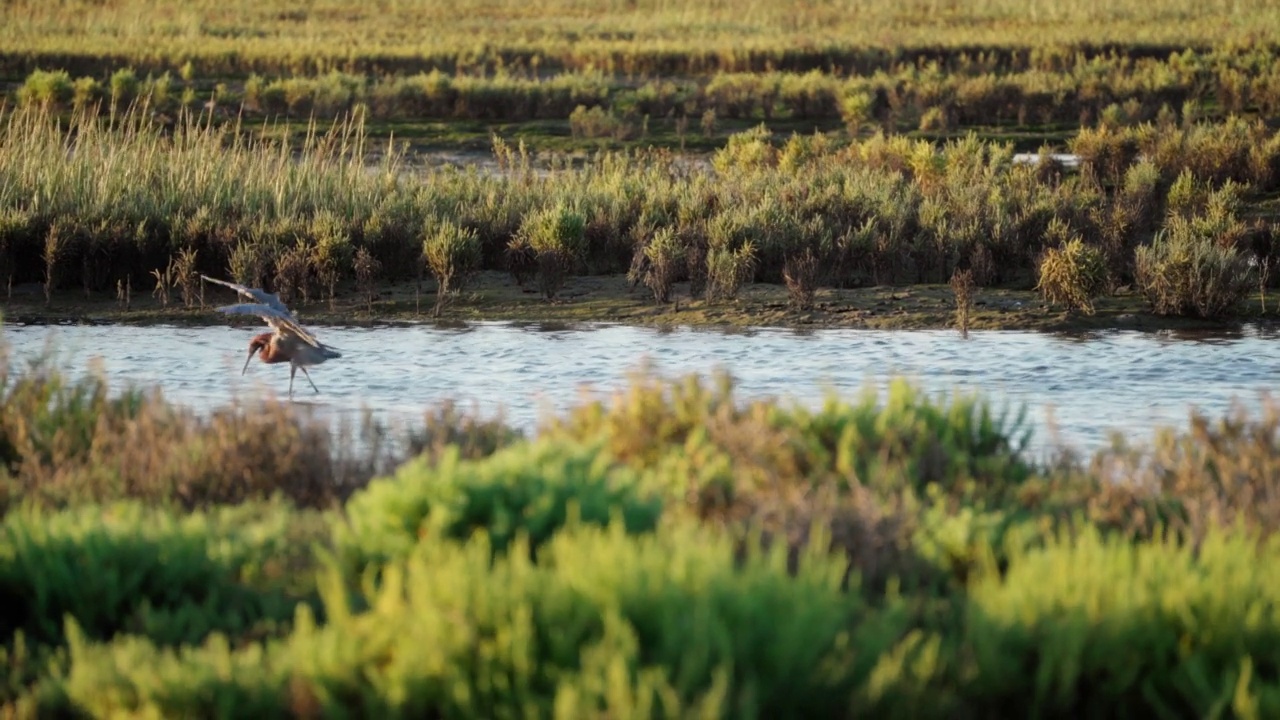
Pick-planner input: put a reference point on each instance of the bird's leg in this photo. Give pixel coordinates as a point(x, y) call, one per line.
point(313, 384)
point(293, 370)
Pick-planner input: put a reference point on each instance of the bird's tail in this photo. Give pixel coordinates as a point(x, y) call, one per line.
point(331, 353)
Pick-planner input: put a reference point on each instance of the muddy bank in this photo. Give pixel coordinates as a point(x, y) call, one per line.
point(494, 296)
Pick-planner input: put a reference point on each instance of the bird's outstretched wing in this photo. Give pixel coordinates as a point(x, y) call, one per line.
point(256, 295)
point(280, 321)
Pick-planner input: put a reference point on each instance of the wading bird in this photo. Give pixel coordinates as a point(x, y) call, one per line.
point(289, 343)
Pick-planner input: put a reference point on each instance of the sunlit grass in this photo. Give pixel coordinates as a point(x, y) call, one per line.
point(971, 90)
point(645, 36)
point(134, 201)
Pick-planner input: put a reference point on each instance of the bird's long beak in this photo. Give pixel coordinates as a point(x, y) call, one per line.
point(252, 352)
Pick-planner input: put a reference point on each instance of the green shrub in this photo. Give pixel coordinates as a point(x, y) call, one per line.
point(800, 273)
point(124, 87)
point(525, 488)
point(49, 88)
point(693, 429)
point(332, 253)
point(65, 441)
point(555, 237)
point(1187, 272)
point(912, 438)
point(856, 109)
point(728, 270)
point(452, 253)
point(664, 255)
point(747, 150)
point(1216, 472)
point(1094, 626)
point(124, 568)
point(1073, 275)
point(666, 624)
point(597, 122)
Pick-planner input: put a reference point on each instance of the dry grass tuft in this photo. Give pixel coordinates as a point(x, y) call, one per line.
point(801, 273)
point(1217, 473)
point(1187, 271)
point(1072, 275)
point(962, 286)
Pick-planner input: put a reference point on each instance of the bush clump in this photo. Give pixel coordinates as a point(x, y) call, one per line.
point(122, 567)
point(554, 236)
point(453, 254)
point(1102, 626)
point(1073, 275)
point(1187, 272)
point(602, 622)
point(528, 488)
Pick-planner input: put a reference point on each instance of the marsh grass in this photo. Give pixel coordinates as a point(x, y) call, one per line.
point(881, 210)
point(645, 38)
point(1187, 270)
point(53, 246)
point(664, 257)
point(801, 273)
point(555, 237)
point(1066, 87)
point(453, 254)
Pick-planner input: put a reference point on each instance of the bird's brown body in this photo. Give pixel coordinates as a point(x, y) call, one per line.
point(268, 351)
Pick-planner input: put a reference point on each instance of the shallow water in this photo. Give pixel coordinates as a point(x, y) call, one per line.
point(1119, 380)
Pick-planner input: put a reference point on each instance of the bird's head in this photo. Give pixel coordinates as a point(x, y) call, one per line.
point(256, 345)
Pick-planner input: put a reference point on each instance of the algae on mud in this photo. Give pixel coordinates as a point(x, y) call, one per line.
point(494, 296)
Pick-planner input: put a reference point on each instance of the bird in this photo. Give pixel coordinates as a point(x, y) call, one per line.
point(290, 342)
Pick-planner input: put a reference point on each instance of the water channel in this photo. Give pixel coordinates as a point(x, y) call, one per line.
point(1126, 381)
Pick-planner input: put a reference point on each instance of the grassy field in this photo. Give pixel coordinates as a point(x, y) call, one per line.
point(1052, 93)
point(653, 37)
point(567, 75)
point(672, 551)
point(813, 155)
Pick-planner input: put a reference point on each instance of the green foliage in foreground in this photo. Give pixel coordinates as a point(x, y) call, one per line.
point(669, 552)
point(119, 568)
point(527, 489)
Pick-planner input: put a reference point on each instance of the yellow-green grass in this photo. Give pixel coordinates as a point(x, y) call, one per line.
point(137, 206)
point(644, 36)
point(671, 550)
point(1056, 93)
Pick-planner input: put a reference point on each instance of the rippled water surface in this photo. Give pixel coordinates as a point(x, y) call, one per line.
point(1126, 381)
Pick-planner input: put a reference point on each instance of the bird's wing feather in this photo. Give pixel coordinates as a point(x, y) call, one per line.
point(280, 321)
point(260, 296)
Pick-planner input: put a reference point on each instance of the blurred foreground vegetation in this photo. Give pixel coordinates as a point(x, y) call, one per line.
point(671, 551)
